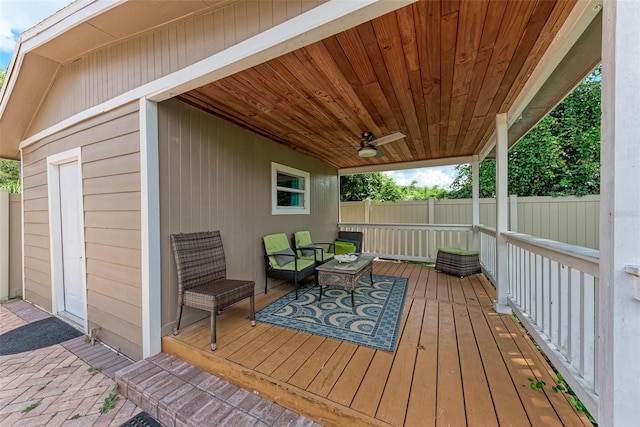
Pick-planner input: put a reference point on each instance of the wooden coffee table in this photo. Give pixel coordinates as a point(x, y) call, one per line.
point(345, 275)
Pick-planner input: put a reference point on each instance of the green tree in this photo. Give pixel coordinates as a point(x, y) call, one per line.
point(380, 187)
point(372, 186)
point(560, 156)
point(9, 170)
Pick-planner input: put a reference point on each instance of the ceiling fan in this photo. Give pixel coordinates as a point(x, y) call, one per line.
point(368, 145)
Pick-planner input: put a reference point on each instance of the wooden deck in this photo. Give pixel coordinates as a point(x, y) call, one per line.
point(457, 362)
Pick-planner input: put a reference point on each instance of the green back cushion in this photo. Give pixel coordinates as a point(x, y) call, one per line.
point(344, 247)
point(275, 243)
point(302, 239)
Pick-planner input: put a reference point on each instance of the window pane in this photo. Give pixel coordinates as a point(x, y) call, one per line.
point(290, 181)
point(290, 199)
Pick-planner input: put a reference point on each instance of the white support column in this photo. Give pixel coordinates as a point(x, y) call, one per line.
point(475, 200)
point(502, 255)
point(618, 313)
point(4, 245)
point(150, 221)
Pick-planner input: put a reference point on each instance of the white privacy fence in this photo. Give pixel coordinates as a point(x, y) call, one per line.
point(553, 290)
point(570, 219)
point(411, 242)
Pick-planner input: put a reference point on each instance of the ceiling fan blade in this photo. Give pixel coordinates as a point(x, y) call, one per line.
point(387, 139)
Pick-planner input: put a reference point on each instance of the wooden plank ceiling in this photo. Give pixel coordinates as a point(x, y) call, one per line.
point(437, 71)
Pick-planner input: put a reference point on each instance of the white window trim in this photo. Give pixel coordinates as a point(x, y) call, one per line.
point(292, 210)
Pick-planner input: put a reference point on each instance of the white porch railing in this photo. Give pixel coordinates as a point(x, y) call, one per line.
point(411, 242)
point(488, 252)
point(553, 291)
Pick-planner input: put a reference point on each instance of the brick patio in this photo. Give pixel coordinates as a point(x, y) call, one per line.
point(57, 379)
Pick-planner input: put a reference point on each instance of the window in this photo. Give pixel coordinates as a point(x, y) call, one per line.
point(289, 190)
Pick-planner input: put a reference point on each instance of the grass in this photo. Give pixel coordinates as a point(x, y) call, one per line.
point(31, 407)
point(110, 401)
point(94, 370)
point(562, 386)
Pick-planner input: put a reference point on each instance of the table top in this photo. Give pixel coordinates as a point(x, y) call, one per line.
point(354, 267)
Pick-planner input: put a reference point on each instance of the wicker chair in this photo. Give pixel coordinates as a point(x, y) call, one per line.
point(202, 277)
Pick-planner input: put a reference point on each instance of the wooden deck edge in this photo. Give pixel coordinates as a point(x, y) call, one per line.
point(300, 401)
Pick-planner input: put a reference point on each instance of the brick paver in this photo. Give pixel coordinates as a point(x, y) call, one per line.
point(57, 386)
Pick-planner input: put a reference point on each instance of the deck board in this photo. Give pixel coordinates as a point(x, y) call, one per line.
point(457, 362)
point(421, 410)
point(393, 405)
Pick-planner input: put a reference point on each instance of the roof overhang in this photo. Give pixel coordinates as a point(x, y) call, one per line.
point(81, 27)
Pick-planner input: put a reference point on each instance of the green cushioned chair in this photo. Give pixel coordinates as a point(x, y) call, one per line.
point(348, 242)
point(307, 249)
point(343, 247)
point(281, 262)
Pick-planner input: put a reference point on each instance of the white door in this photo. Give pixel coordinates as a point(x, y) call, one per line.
point(70, 223)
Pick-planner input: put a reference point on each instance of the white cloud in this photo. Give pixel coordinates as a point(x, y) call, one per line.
point(440, 176)
point(16, 16)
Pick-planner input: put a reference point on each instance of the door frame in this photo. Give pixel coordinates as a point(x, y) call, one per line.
point(55, 229)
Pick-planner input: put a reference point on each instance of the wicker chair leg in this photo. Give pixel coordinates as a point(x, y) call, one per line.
point(253, 310)
point(176, 329)
point(266, 282)
point(213, 330)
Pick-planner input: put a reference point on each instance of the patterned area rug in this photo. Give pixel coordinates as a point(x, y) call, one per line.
point(373, 322)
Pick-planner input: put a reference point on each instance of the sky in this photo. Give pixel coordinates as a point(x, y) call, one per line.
point(17, 16)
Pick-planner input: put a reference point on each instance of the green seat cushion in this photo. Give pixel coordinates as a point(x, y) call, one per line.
point(343, 247)
point(455, 251)
point(291, 266)
point(322, 256)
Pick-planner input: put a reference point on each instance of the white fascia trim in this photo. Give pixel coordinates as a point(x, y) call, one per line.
point(583, 13)
point(488, 146)
point(150, 230)
point(321, 22)
point(448, 161)
point(22, 223)
point(62, 21)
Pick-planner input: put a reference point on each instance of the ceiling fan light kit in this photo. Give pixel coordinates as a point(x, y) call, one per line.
point(368, 144)
point(367, 151)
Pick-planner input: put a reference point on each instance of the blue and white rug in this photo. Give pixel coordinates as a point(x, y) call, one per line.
point(373, 322)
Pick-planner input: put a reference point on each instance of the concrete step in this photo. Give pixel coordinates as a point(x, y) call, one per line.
point(178, 394)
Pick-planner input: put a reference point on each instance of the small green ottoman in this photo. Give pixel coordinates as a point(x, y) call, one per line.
point(458, 262)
